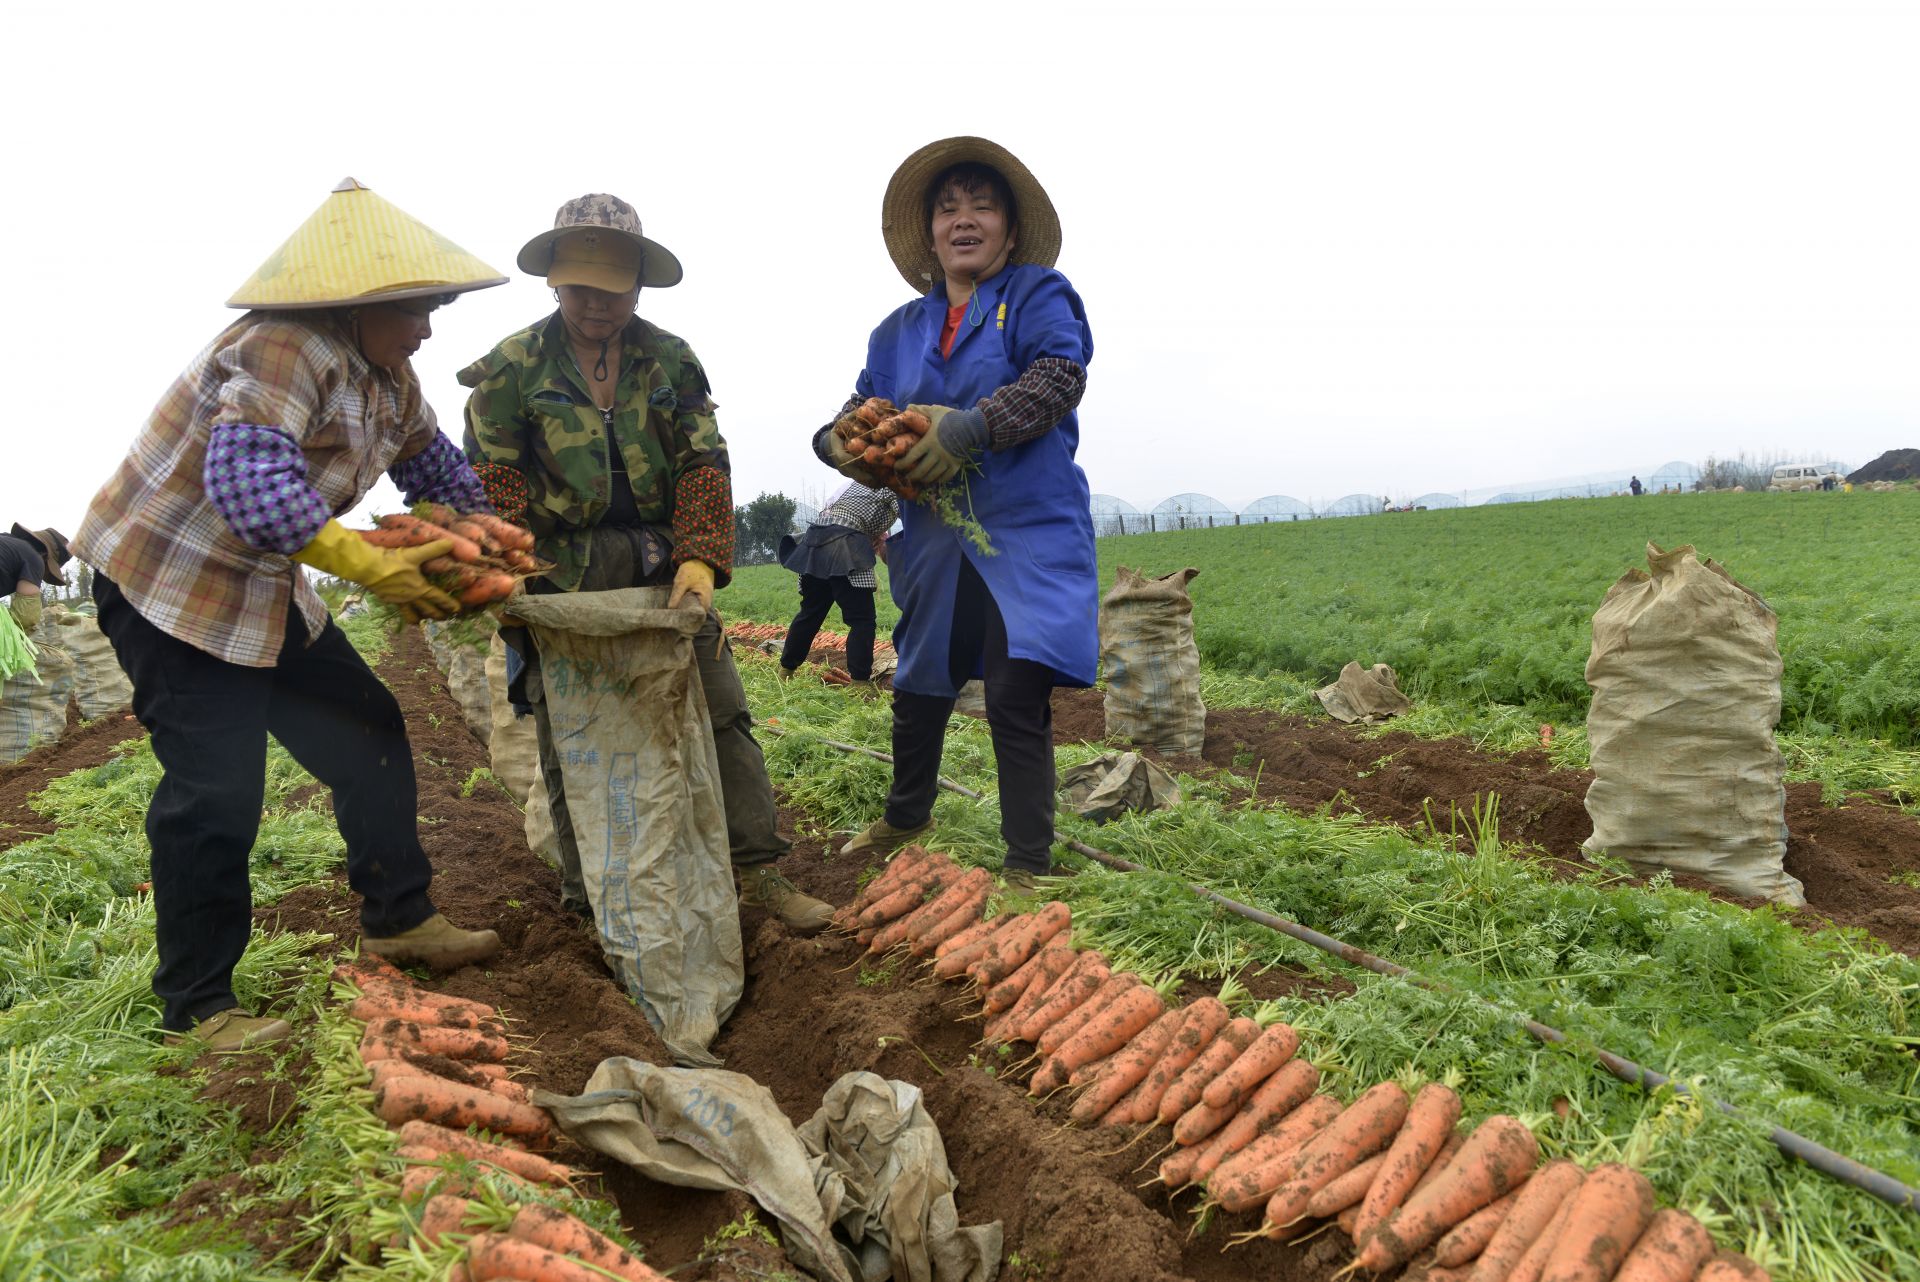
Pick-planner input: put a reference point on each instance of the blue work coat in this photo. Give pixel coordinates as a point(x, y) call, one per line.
point(1032, 499)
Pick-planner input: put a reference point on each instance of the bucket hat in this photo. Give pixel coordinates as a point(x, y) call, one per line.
point(357, 248)
point(596, 240)
point(903, 210)
point(52, 546)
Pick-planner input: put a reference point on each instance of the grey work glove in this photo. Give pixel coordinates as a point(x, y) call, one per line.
point(848, 464)
point(957, 438)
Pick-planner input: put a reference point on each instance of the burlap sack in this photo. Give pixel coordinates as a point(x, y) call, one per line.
point(1685, 673)
point(1118, 783)
point(33, 705)
point(1151, 662)
point(643, 788)
point(1364, 694)
point(100, 685)
point(514, 748)
point(467, 683)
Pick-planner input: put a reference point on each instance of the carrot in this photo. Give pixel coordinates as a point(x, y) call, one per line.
point(1533, 1261)
point(400, 530)
point(1431, 1119)
point(487, 588)
point(1539, 1198)
point(1274, 1047)
point(407, 1099)
point(493, 1256)
point(368, 1008)
point(891, 876)
point(969, 888)
point(1006, 994)
point(1363, 1128)
point(1495, 1160)
point(456, 1043)
point(954, 963)
point(977, 931)
point(1086, 977)
point(1466, 1240)
point(444, 1213)
point(1448, 1152)
point(1346, 1218)
point(504, 532)
point(1250, 1176)
point(1007, 952)
point(1050, 967)
point(1346, 1190)
point(528, 1166)
point(1279, 1095)
point(1128, 1067)
point(1056, 1034)
point(1672, 1249)
point(958, 922)
point(1204, 1020)
point(899, 903)
point(1177, 1171)
point(554, 1229)
point(1086, 1073)
point(915, 421)
point(1731, 1266)
point(1121, 1114)
point(403, 991)
point(1608, 1214)
point(1211, 1062)
point(368, 966)
point(1108, 1031)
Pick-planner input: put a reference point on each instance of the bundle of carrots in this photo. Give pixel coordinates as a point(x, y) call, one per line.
point(437, 1070)
point(1252, 1126)
point(488, 560)
point(881, 434)
point(754, 633)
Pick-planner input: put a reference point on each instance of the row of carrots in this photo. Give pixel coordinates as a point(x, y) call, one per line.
point(438, 1073)
point(1250, 1125)
point(755, 633)
point(488, 559)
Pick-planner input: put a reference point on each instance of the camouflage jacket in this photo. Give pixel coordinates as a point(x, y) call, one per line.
point(530, 411)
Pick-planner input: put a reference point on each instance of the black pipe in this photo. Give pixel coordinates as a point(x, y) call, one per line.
point(1814, 1154)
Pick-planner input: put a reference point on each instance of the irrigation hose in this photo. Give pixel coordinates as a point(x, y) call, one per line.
point(1816, 1155)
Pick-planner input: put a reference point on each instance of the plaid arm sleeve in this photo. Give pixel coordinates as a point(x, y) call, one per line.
point(256, 478)
point(703, 521)
point(1032, 404)
point(440, 473)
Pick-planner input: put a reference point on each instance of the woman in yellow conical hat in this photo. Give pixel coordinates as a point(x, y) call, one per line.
point(289, 416)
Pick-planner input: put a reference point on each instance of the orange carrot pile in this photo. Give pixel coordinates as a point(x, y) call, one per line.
point(880, 434)
point(755, 633)
point(488, 559)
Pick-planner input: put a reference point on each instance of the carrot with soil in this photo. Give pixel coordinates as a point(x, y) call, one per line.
point(528, 1166)
point(1007, 952)
point(1250, 1176)
point(1274, 1047)
point(495, 1256)
point(1278, 1096)
point(1431, 1119)
point(408, 1099)
point(1074, 989)
point(1127, 1068)
point(563, 1234)
point(1204, 1020)
point(1466, 1240)
point(1496, 1159)
point(1103, 1034)
point(1363, 1128)
point(1538, 1201)
point(1187, 1089)
point(1673, 1249)
point(1606, 1216)
point(1533, 1262)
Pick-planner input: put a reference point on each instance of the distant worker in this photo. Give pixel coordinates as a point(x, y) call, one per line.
point(834, 560)
point(287, 418)
point(1636, 487)
point(1830, 482)
point(27, 557)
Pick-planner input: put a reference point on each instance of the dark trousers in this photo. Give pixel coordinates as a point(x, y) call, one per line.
point(817, 596)
point(1019, 719)
point(209, 721)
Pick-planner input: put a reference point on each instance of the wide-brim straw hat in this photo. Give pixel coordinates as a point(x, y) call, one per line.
point(53, 550)
point(903, 210)
point(596, 240)
point(358, 248)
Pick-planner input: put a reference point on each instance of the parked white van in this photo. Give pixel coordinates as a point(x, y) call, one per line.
point(1802, 476)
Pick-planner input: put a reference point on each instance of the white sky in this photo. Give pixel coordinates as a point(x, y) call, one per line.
point(1324, 248)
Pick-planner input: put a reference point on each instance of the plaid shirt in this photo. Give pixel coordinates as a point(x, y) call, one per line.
point(153, 530)
point(870, 511)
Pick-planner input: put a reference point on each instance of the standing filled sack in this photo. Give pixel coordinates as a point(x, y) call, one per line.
point(1685, 673)
point(513, 749)
point(643, 788)
point(1151, 663)
point(100, 684)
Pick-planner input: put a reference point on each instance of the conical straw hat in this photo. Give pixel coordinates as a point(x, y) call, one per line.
point(903, 210)
point(357, 248)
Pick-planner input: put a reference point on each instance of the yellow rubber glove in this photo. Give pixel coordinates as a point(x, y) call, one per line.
point(26, 610)
point(392, 574)
point(695, 579)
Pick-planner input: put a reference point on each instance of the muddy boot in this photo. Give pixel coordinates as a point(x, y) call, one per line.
point(882, 838)
point(764, 887)
point(232, 1031)
point(438, 943)
point(786, 673)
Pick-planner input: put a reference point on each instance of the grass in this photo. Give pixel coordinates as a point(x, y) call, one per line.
point(1812, 1031)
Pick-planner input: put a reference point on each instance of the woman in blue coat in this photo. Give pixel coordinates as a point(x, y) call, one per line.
point(995, 354)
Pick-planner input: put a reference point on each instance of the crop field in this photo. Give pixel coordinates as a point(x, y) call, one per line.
point(1440, 845)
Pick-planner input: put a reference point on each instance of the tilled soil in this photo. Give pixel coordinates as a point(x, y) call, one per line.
point(84, 744)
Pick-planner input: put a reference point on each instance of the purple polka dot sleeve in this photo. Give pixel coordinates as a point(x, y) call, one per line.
point(256, 477)
point(441, 474)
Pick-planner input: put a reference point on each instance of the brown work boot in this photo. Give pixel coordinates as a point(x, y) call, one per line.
point(232, 1031)
point(436, 942)
point(764, 887)
point(882, 838)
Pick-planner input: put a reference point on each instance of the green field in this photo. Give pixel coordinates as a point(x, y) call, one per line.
point(1486, 612)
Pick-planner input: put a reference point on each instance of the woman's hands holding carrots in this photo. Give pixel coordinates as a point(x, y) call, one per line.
point(957, 439)
point(392, 574)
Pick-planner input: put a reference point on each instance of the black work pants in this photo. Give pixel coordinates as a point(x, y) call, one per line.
point(209, 721)
point(1019, 719)
point(817, 596)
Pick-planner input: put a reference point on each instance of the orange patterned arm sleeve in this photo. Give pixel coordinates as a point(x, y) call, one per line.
point(703, 521)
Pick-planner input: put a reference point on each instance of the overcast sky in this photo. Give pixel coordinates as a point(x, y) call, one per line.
point(1324, 248)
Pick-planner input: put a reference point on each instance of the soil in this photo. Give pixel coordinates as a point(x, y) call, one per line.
point(1844, 855)
point(84, 744)
point(1894, 465)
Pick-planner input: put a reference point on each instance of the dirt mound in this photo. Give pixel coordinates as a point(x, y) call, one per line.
point(1894, 465)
